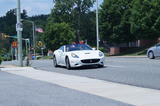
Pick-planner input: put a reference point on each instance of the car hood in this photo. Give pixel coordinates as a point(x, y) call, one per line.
point(87, 54)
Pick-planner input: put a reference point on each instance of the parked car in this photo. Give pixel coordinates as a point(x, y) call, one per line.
point(154, 51)
point(76, 55)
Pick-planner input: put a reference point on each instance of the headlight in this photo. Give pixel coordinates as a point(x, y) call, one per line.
point(74, 55)
point(101, 54)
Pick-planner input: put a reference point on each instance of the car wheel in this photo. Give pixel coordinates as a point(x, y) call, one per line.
point(151, 55)
point(68, 64)
point(55, 62)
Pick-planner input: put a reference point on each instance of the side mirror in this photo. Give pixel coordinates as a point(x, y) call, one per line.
point(93, 48)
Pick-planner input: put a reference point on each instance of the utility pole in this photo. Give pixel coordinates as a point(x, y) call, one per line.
point(97, 24)
point(19, 33)
point(34, 39)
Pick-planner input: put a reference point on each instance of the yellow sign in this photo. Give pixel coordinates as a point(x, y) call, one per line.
point(40, 44)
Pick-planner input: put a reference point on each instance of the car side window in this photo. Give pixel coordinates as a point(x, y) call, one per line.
point(62, 48)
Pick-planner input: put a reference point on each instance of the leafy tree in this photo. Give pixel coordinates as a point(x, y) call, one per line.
point(58, 34)
point(74, 12)
point(8, 26)
point(114, 21)
point(145, 19)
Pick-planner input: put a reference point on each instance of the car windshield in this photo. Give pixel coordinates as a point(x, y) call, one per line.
point(76, 47)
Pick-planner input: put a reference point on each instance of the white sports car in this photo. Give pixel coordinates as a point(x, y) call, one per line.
point(76, 55)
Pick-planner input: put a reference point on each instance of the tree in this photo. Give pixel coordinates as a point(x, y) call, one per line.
point(58, 34)
point(73, 12)
point(8, 26)
point(114, 21)
point(145, 19)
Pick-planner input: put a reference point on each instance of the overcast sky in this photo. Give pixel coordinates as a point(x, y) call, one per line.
point(33, 7)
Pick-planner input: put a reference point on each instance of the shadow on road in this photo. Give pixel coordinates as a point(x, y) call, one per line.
point(84, 67)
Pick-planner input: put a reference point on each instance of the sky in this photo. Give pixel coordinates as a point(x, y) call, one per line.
point(33, 7)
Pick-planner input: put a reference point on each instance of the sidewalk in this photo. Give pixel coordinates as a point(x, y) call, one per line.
point(124, 93)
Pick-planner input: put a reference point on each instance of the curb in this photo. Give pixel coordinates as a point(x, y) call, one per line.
point(8, 66)
point(16, 68)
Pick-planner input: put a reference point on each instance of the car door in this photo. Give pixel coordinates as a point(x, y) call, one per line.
point(63, 55)
point(58, 55)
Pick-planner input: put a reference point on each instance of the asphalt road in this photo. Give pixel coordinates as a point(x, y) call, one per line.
point(142, 72)
point(20, 91)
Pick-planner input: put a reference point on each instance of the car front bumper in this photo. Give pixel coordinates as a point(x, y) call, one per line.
point(76, 62)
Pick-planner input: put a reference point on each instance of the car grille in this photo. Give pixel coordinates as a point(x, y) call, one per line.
point(90, 61)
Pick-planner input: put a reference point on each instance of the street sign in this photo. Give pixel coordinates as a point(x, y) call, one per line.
point(40, 44)
point(14, 44)
point(19, 27)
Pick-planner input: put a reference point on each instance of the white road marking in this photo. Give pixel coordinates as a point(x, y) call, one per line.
point(124, 93)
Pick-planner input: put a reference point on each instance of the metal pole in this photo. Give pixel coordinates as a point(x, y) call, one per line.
point(29, 47)
point(34, 42)
point(28, 44)
point(12, 52)
point(97, 25)
point(19, 34)
point(42, 52)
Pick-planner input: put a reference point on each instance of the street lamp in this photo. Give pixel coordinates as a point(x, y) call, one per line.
point(97, 24)
point(33, 29)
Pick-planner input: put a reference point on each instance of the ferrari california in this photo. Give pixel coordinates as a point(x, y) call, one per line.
point(77, 55)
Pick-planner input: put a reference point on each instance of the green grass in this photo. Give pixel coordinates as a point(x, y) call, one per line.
point(45, 57)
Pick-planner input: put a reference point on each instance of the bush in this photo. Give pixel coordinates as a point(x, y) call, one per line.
point(102, 49)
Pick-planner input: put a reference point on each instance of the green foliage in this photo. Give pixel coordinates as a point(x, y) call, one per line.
point(145, 19)
point(8, 26)
point(122, 21)
point(114, 21)
point(102, 49)
point(57, 35)
point(8, 23)
point(76, 13)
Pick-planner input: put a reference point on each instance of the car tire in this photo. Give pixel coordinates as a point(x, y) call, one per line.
point(68, 64)
point(151, 55)
point(55, 61)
